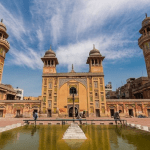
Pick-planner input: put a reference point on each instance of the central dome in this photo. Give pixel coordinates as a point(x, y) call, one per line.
point(50, 53)
point(94, 51)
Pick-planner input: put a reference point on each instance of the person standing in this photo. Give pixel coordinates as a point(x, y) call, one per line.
point(117, 117)
point(36, 116)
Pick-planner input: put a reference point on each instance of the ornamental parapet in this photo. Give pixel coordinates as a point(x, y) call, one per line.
point(5, 43)
point(143, 38)
point(76, 74)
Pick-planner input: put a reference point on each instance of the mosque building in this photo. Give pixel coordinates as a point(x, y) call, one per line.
point(90, 87)
point(90, 98)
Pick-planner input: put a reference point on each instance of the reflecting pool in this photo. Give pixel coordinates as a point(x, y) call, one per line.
point(102, 137)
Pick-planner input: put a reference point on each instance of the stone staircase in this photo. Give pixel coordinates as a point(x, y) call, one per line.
point(74, 132)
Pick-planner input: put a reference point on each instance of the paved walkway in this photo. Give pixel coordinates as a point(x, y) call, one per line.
point(140, 121)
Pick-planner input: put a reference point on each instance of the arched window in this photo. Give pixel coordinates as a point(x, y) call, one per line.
point(49, 62)
point(73, 90)
point(148, 29)
point(45, 63)
point(52, 62)
point(96, 61)
point(92, 61)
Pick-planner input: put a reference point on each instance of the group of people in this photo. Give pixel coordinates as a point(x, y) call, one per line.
point(80, 116)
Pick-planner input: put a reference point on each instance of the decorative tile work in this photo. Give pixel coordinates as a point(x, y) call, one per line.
point(70, 100)
point(64, 80)
point(96, 104)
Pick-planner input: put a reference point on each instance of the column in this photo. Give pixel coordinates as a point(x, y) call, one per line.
point(54, 63)
point(145, 30)
point(117, 107)
point(50, 62)
point(136, 108)
point(143, 108)
point(124, 109)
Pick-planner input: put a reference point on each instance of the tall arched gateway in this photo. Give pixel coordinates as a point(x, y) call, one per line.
point(71, 112)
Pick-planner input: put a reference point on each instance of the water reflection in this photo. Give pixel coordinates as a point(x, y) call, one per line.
point(98, 137)
point(33, 130)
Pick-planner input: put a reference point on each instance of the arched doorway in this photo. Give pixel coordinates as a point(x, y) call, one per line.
point(71, 112)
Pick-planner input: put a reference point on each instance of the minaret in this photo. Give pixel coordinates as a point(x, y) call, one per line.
point(144, 42)
point(50, 61)
point(95, 60)
point(4, 46)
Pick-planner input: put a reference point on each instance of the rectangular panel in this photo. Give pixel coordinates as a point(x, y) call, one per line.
point(70, 100)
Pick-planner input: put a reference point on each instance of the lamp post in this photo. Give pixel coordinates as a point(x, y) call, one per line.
point(73, 109)
point(73, 91)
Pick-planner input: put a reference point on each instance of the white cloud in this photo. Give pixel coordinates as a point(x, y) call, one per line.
point(110, 47)
point(14, 24)
point(75, 18)
point(84, 23)
point(30, 58)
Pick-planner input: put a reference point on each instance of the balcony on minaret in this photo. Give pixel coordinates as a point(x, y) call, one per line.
point(5, 43)
point(144, 42)
point(4, 46)
point(145, 31)
point(3, 36)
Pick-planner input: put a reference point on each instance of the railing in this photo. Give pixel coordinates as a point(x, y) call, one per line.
point(143, 37)
point(5, 41)
point(63, 120)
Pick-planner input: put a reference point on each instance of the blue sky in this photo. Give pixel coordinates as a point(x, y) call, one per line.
point(72, 27)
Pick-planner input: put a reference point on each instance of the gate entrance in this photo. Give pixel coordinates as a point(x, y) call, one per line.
point(18, 112)
point(112, 112)
point(1, 113)
point(71, 112)
point(35, 111)
point(148, 112)
point(49, 113)
point(97, 113)
point(130, 112)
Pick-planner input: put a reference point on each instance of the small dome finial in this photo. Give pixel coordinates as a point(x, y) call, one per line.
point(93, 46)
point(50, 47)
point(1, 20)
point(72, 69)
point(146, 15)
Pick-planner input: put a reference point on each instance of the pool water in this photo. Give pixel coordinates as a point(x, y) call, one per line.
point(49, 137)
